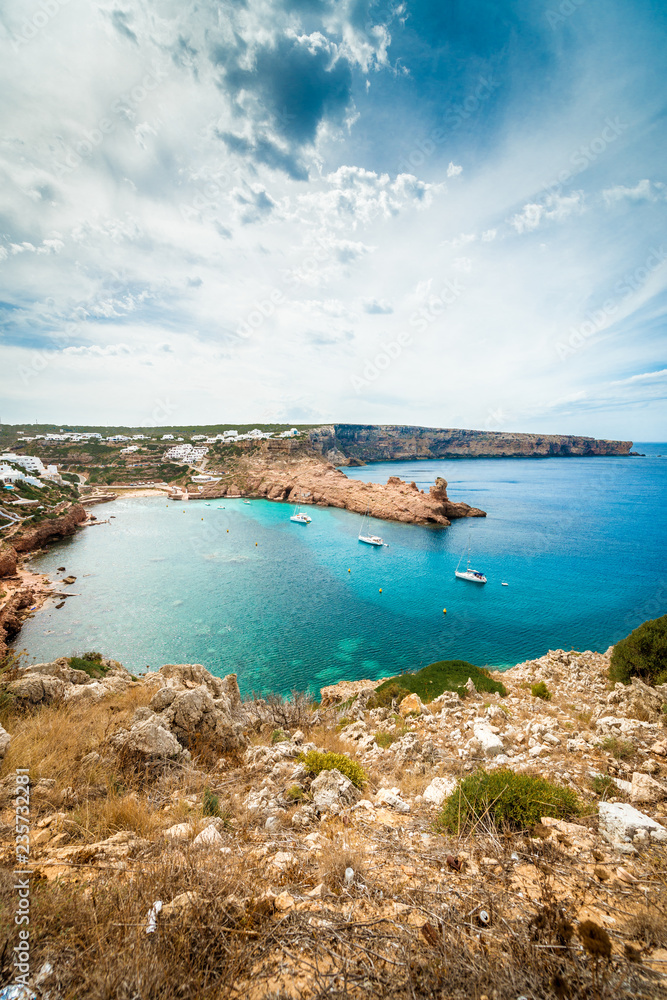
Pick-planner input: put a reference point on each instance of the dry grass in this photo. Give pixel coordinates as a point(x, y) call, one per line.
point(51, 739)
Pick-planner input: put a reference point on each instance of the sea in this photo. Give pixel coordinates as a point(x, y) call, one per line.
point(580, 542)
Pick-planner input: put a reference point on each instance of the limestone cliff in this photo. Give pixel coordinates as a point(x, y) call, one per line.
point(33, 537)
point(347, 444)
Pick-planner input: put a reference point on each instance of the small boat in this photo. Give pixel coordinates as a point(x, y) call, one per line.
point(473, 575)
point(220, 507)
point(365, 537)
point(300, 517)
point(207, 505)
point(247, 501)
point(503, 584)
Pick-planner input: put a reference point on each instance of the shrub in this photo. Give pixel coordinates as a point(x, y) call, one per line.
point(431, 681)
point(295, 793)
point(316, 761)
point(279, 736)
point(507, 799)
point(540, 690)
point(385, 740)
point(90, 663)
point(642, 654)
point(604, 786)
point(210, 803)
point(620, 749)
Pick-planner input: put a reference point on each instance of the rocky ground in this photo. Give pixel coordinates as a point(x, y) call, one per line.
point(180, 846)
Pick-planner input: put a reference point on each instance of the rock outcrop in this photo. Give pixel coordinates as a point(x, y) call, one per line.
point(312, 481)
point(35, 536)
point(391, 442)
point(13, 614)
point(8, 560)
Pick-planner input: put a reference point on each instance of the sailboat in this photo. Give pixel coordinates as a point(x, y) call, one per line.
point(299, 517)
point(365, 537)
point(469, 574)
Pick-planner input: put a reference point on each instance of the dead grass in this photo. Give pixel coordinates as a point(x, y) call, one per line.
point(52, 739)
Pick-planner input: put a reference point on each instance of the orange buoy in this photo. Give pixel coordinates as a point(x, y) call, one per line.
point(255, 543)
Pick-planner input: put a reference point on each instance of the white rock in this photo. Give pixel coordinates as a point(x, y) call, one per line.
point(331, 790)
point(208, 838)
point(181, 831)
point(5, 740)
point(646, 789)
point(620, 822)
point(391, 797)
point(490, 743)
point(539, 751)
point(438, 790)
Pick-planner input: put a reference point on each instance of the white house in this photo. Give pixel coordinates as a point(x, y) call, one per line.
point(167, 437)
point(186, 453)
point(131, 447)
point(9, 475)
point(29, 462)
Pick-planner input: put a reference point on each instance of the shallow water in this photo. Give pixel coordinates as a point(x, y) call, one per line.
point(581, 543)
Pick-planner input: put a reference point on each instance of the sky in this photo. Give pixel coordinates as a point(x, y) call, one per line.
point(439, 212)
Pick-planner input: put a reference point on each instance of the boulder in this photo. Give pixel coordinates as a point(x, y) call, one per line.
point(208, 838)
point(637, 700)
point(391, 797)
point(410, 705)
point(646, 789)
point(149, 741)
point(620, 823)
point(8, 559)
point(179, 905)
point(36, 688)
point(332, 791)
point(490, 743)
point(5, 740)
point(439, 790)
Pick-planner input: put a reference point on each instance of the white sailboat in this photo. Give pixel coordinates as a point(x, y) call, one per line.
point(473, 575)
point(300, 517)
point(364, 536)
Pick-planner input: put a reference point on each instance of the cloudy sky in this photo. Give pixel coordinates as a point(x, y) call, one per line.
point(443, 212)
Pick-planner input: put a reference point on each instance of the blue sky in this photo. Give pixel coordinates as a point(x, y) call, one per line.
point(406, 212)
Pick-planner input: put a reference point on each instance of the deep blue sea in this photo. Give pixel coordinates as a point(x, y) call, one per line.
point(581, 543)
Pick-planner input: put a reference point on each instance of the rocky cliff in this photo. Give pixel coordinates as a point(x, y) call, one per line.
point(29, 538)
point(311, 481)
point(346, 444)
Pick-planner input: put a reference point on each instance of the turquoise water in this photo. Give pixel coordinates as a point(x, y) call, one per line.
point(581, 542)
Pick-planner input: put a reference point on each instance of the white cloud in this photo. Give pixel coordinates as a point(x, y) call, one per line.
point(642, 191)
point(453, 170)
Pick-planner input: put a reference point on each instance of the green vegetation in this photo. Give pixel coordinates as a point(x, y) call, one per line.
point(540, 690)
point(316, 761)
point(385, 740)
point(431, 681)
point(507, 799)
point(210, 803)
point(295, 793)
point(642, 654)
point(279, 736)
point(604, 786)
point(90, 663)
point(620, 749)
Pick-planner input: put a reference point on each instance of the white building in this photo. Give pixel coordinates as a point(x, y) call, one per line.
point(9, 475)
point(186, 453)
point(131, 447)
point(139, 437)
point(167, 437)
point(292, 432)
point(118, 437)
point(198, 437)
point(29, 462)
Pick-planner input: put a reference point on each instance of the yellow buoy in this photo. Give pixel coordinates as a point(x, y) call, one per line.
point(349, 570)
point(255, 543)
point(227, 530)
point(380, 589)
point(202, 518)
point(444, 611)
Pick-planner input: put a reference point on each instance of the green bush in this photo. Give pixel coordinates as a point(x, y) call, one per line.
point(506, 798)
point(385, 740)
point(316, 761)
point(604, 787)
point(642, 654)
point(210, 803)
point(431, 681)
point(540, 690)
point(295, 793)
point(90, 663)
point(279, 736)
point(620, 749)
